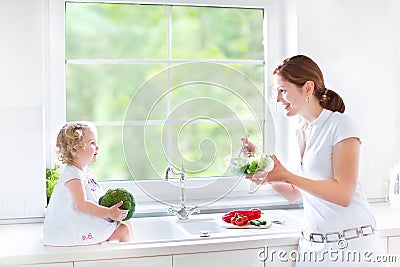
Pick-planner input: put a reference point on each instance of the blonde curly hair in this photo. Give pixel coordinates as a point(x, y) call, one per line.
point(70, 138)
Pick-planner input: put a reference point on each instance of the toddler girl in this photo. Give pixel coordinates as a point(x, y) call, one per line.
point(73, 216)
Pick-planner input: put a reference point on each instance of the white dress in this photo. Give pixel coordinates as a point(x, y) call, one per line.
point(325, 217)
point(63, 224)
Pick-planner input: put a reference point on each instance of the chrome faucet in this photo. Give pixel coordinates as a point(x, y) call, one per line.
point(182, 212)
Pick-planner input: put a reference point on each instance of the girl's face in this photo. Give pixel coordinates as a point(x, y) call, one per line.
point(88, 153)
point(292, 97)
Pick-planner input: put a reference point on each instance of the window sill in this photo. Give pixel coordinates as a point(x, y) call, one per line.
point(265, 203)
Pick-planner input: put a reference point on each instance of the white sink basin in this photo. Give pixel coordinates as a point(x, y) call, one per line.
point(169, 228)
point(199, 226)
point(156, 229)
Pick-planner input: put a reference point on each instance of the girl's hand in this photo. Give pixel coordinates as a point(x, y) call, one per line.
point(116, 214)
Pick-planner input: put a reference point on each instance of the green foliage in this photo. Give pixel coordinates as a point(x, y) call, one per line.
point(52, 176)
point(113, 196)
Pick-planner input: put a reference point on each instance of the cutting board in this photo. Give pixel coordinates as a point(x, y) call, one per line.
point(247, 226)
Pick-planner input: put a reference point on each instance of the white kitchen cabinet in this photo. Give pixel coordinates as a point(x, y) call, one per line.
point(156, 261)
point(231, 258)
point(393, 244)
point(384, 242)
point(280, 256)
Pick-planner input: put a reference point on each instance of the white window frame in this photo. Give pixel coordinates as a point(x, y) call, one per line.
point(276, 35)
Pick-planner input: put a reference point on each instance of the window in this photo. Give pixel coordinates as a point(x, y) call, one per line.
point(166, 84)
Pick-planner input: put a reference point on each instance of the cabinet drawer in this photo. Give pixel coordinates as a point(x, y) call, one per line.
point(236, 258)
point(159, 261)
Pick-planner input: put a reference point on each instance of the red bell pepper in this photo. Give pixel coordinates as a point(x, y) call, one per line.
point(251, 214)
point(241, 220)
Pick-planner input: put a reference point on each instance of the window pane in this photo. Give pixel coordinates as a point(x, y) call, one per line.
point(200, 147)
point(204, 147)
point(255, 73)
point(110, 163)
point(103, 92)
point(115, 31)
point(192, 114)
point(217, 91)
point(217, 33)
point(144, 153)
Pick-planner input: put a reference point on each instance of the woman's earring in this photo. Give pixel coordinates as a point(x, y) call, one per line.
point(308, 99)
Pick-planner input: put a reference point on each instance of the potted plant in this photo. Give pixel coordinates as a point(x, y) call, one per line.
point(52, 175)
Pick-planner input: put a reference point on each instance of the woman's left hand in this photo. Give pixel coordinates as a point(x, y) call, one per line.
point(258, 178)
point(277, 174)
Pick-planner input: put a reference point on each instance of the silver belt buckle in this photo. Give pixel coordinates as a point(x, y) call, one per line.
point(338, 237)
point(351, 233)
point(332, 237)
point(317, 238)
point(367, 230)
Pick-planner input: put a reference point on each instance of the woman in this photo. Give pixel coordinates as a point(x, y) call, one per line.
point(338, 223)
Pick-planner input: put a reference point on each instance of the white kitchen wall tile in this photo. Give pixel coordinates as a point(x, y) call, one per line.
point(34, 205)
point(32, 118)
point(11, 140)
point(1, 191)
point(32, 139)
point(10, 118)
point(1, 184)
point(33, 159)
point(12, 160)
point(13, 180)
point(13, 204)
point(34, 181)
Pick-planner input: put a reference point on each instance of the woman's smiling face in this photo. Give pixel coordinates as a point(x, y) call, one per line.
point(292, 97)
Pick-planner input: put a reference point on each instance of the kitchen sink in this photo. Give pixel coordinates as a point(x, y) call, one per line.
point(156, 229)
point(169, 228)
point(201, 226)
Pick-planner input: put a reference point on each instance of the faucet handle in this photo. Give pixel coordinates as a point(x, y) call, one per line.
point(171, 211)
point(183, 174)
point(194, 209)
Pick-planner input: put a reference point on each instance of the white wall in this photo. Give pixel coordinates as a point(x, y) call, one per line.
point(22, 165)
point(355, 43)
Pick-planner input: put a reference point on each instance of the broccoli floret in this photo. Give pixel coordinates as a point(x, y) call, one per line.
point(113, 196)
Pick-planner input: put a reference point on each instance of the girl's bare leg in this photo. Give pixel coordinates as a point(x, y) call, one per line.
point(123, 233)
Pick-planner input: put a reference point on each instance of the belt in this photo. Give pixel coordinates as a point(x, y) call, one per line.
point(347, 234)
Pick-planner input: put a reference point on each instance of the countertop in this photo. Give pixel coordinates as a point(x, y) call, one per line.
point(21, 243)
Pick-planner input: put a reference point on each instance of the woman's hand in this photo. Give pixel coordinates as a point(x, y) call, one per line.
point(277, 174)
point(258, 178)
point(248, 147)
point(278, 179)
point(116, 214)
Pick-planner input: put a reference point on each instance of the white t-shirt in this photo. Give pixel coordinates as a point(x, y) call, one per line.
point(325, 217)
point(63, 224)
point(322, 135)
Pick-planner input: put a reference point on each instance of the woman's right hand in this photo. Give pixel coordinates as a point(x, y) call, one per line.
point(116, 214)
point(249, 147)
